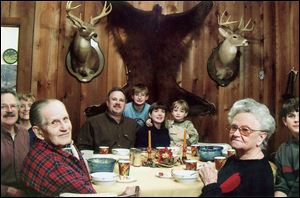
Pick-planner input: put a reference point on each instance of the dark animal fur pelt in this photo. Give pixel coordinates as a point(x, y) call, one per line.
point(153, 46)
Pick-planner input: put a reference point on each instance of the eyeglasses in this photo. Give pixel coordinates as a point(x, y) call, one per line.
point(244, 130)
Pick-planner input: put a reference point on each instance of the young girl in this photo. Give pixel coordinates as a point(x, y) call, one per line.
point(177, 125)
point(159, 133)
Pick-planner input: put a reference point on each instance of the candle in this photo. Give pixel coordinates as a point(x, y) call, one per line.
point(184, 137)
point(149, 139)
point(184, 146)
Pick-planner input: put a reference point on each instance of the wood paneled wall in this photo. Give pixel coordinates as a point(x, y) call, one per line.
point(274, 49)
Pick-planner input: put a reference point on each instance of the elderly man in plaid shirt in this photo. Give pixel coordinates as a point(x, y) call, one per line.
point(54, 165)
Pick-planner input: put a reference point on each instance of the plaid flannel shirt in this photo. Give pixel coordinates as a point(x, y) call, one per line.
point(49, 171)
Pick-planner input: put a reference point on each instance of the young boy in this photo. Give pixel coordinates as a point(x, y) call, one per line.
point(176, 127)
point(159, 133)
point(138, 109)
point(179, 112)
point(287, 156)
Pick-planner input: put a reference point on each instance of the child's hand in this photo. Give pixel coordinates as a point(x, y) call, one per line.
point(149, 123)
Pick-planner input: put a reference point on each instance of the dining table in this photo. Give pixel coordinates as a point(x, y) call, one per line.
point(155, 182)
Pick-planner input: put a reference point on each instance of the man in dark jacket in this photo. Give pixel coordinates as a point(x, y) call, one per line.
point(110, 128)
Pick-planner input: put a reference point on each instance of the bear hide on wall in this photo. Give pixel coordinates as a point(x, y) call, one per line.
point(153, 46)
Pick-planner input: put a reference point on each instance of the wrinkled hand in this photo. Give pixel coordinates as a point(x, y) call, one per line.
point(208, 173)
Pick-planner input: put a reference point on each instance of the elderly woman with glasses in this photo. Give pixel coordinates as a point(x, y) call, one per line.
point(248, 173)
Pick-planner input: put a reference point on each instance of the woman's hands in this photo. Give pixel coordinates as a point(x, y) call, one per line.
point(208, 173)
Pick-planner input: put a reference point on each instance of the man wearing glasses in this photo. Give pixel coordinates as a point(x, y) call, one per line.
point(249, 172)
point(14, 145)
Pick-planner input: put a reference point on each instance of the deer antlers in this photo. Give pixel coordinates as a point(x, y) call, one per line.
point(244, 29)
point(77, 21)
point(241, 24)
point(105, 11)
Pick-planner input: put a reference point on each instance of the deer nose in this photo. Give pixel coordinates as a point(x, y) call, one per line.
point(245, 43)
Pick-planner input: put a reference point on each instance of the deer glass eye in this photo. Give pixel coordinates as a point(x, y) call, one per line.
point(82, 28)
point(235, 37)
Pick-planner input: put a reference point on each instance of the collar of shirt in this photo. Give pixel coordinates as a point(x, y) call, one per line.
point(113, 120)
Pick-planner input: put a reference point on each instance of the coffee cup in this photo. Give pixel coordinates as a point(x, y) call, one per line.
point(191, 164)
point(124, 168)
point(219, 162)
point(103, 149)
point(194, 149)
point(137, 161)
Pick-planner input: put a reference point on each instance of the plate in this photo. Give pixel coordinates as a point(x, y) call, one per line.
point(127, 180)
point(162, 174)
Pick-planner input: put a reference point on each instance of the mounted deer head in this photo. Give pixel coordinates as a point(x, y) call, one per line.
point(223, 63)
point(85, 59)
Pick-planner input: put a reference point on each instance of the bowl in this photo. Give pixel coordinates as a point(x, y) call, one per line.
point(185, 176)
point(120, 151)
point(101, 164)
point(224, 145)
point(208, 153)
point(104, 178)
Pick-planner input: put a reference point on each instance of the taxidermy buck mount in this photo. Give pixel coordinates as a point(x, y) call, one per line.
point(153, 46)
point(85, 59)
point(224, 61)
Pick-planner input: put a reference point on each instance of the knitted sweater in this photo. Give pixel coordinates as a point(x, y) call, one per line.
point(242, 178)
point(176, 132)
point(287, 162)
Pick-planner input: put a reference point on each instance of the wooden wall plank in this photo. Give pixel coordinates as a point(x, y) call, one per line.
point(5, 8)
point(268, 58)
point(45, 49)
point(294, 40)
point(24, 13)
point(68, 89)
point(282, 63)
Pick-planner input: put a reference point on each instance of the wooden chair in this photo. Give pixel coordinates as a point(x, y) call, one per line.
point(274, 169)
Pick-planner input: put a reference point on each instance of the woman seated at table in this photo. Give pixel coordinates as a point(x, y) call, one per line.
point(249, 172)
point(159, 133)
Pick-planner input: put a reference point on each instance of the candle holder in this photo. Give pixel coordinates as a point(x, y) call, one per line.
point(149, 151)
point(184, 149)
point(149, 162)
